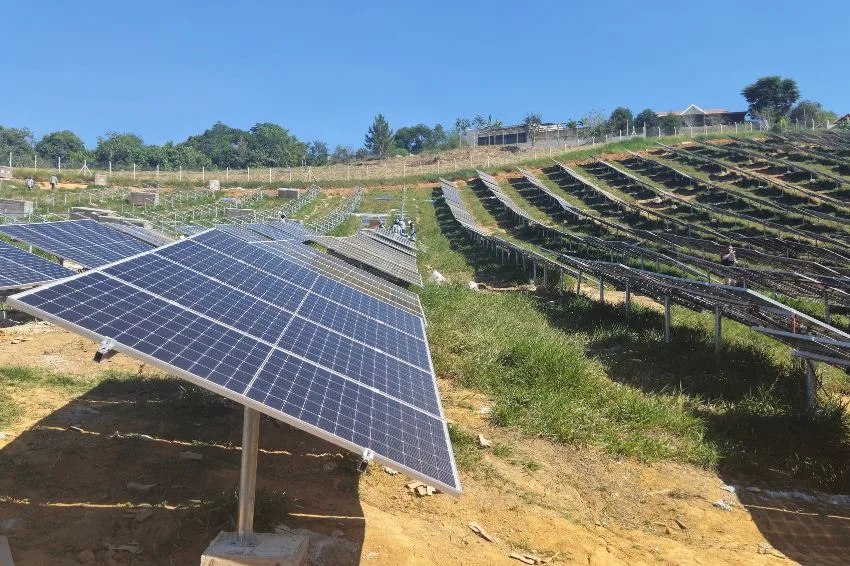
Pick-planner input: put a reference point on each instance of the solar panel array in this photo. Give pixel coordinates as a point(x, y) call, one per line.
point(85, 242)
point(242, 232)
point(148, 236)
point(273, 335)
point(398, 241)
point(378, 256)
point(335, 268)
point(293, 231)
point(19, 269)
point(338, 215)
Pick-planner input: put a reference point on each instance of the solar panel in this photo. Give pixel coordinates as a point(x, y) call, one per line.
point(19, 269)
point(190, 229)
point(288, 231)
point(242, 233)
point(148, 236)
point(274, 336)
point(85, 242)
point(399, 241)
point(346, 273)
point(365, 251)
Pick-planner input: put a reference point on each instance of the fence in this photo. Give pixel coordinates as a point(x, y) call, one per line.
point(397, 167)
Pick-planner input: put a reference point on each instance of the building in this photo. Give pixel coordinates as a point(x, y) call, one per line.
point(518, 135)
point(843, 121)
point(693, 115)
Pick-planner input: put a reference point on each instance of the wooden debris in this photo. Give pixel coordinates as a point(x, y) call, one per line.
point(390, 471)
point(681, 524)
point(75, 428)
point(422, 491)
point(131, 548)
point(413, 485)
point(479, 530)
point(483, 442)
point(187, 455)
point(529, 558)
point(145, 487)
point(764, 548)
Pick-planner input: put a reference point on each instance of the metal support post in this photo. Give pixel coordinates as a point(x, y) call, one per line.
point(717, 329)
point(666, 318)
point(602, 290)
point(534, 264)
point(578, 283)
point(827, 315)
point(628, 303)
point(811, 383)
point(545, 276)
point(248, 477)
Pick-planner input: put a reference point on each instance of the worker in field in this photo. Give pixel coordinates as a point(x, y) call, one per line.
point(54, 182)
point(30, 183)
point(728, 259)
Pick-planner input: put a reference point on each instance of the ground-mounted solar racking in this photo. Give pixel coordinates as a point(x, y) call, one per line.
point(339, 215)
point(631, 250)
point(736, 149)
point(835, 206)
point(85, 242)
point(20, 269)
point(368, 253)
point(796, 145)
point(781, 244)
point(143, 234)
point(275, 336)
point(808, 220)
point(397, 241)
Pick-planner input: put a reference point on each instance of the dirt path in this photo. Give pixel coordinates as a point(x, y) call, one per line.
point(66, 492)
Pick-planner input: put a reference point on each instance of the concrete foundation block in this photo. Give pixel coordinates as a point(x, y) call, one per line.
point(270, 549)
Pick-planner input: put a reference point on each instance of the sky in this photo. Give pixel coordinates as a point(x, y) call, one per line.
point(169, 69)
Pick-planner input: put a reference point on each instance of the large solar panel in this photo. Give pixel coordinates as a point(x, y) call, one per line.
point(272, 335)
point(242, 233)
point(149, 236)
point(19, 269)
point(377, 256)
point(346, 273)
point(387, 236)
point(287, 231)
point(85, 242)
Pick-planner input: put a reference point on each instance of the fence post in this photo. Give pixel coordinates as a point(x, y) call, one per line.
point(181, 172)
point(290, 173)
point(227, 174)
point(110, 168)
point(35, 161)
point(249, 174)
point(60, 164)
point(134, 172)
point(203, 174)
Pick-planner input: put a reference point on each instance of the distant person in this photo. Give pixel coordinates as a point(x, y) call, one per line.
point(728, 259)
point(54, 182)
point(411, 230)
point(30, 183)
point(396, 229)
point(282, 215)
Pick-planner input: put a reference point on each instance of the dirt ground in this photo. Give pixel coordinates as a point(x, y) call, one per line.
point(64, 495)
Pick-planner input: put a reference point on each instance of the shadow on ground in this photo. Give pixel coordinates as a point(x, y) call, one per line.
point(65, 492)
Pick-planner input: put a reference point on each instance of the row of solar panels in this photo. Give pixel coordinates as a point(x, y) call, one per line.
point(743, 305)
point(270, 325)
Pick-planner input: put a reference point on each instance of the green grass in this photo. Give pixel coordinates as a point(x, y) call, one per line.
point(543, 383)
point(24, 377)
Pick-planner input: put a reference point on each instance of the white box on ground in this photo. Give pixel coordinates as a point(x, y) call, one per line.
point(271, 549)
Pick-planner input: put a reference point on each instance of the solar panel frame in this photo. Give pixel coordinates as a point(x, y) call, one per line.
point(20, 269)
point(420, 445)
point(85, 242)
point(242, 232)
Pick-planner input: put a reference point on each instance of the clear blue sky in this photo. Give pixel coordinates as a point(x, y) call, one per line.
point(167, 70)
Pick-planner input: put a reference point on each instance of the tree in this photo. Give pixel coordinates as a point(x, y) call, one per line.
point(122, 149)
point(532, 121)
point(379, 139)
point(342, 154)
point(59, 144)
point(462, 124)
point(225, 146)
point(647, 118)
point(771, 98)
point(18, 141)
point(670, 123)
point(594, 124)
point(807, 110)
point(621, 120)
point(317, 153)
point(271, 145)
point(413, 138)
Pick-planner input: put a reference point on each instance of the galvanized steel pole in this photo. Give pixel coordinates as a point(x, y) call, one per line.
point(248, 477)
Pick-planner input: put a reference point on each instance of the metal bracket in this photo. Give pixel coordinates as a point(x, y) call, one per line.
point(365, 460)
point(105, 351)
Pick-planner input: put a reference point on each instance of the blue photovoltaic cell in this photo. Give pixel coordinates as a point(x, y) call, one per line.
point(22, 269)
point(148, 236)
point(86, 242)
point(262, 330)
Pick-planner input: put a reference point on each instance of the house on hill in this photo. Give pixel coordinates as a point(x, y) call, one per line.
point(843, 121)
point(693, 115)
